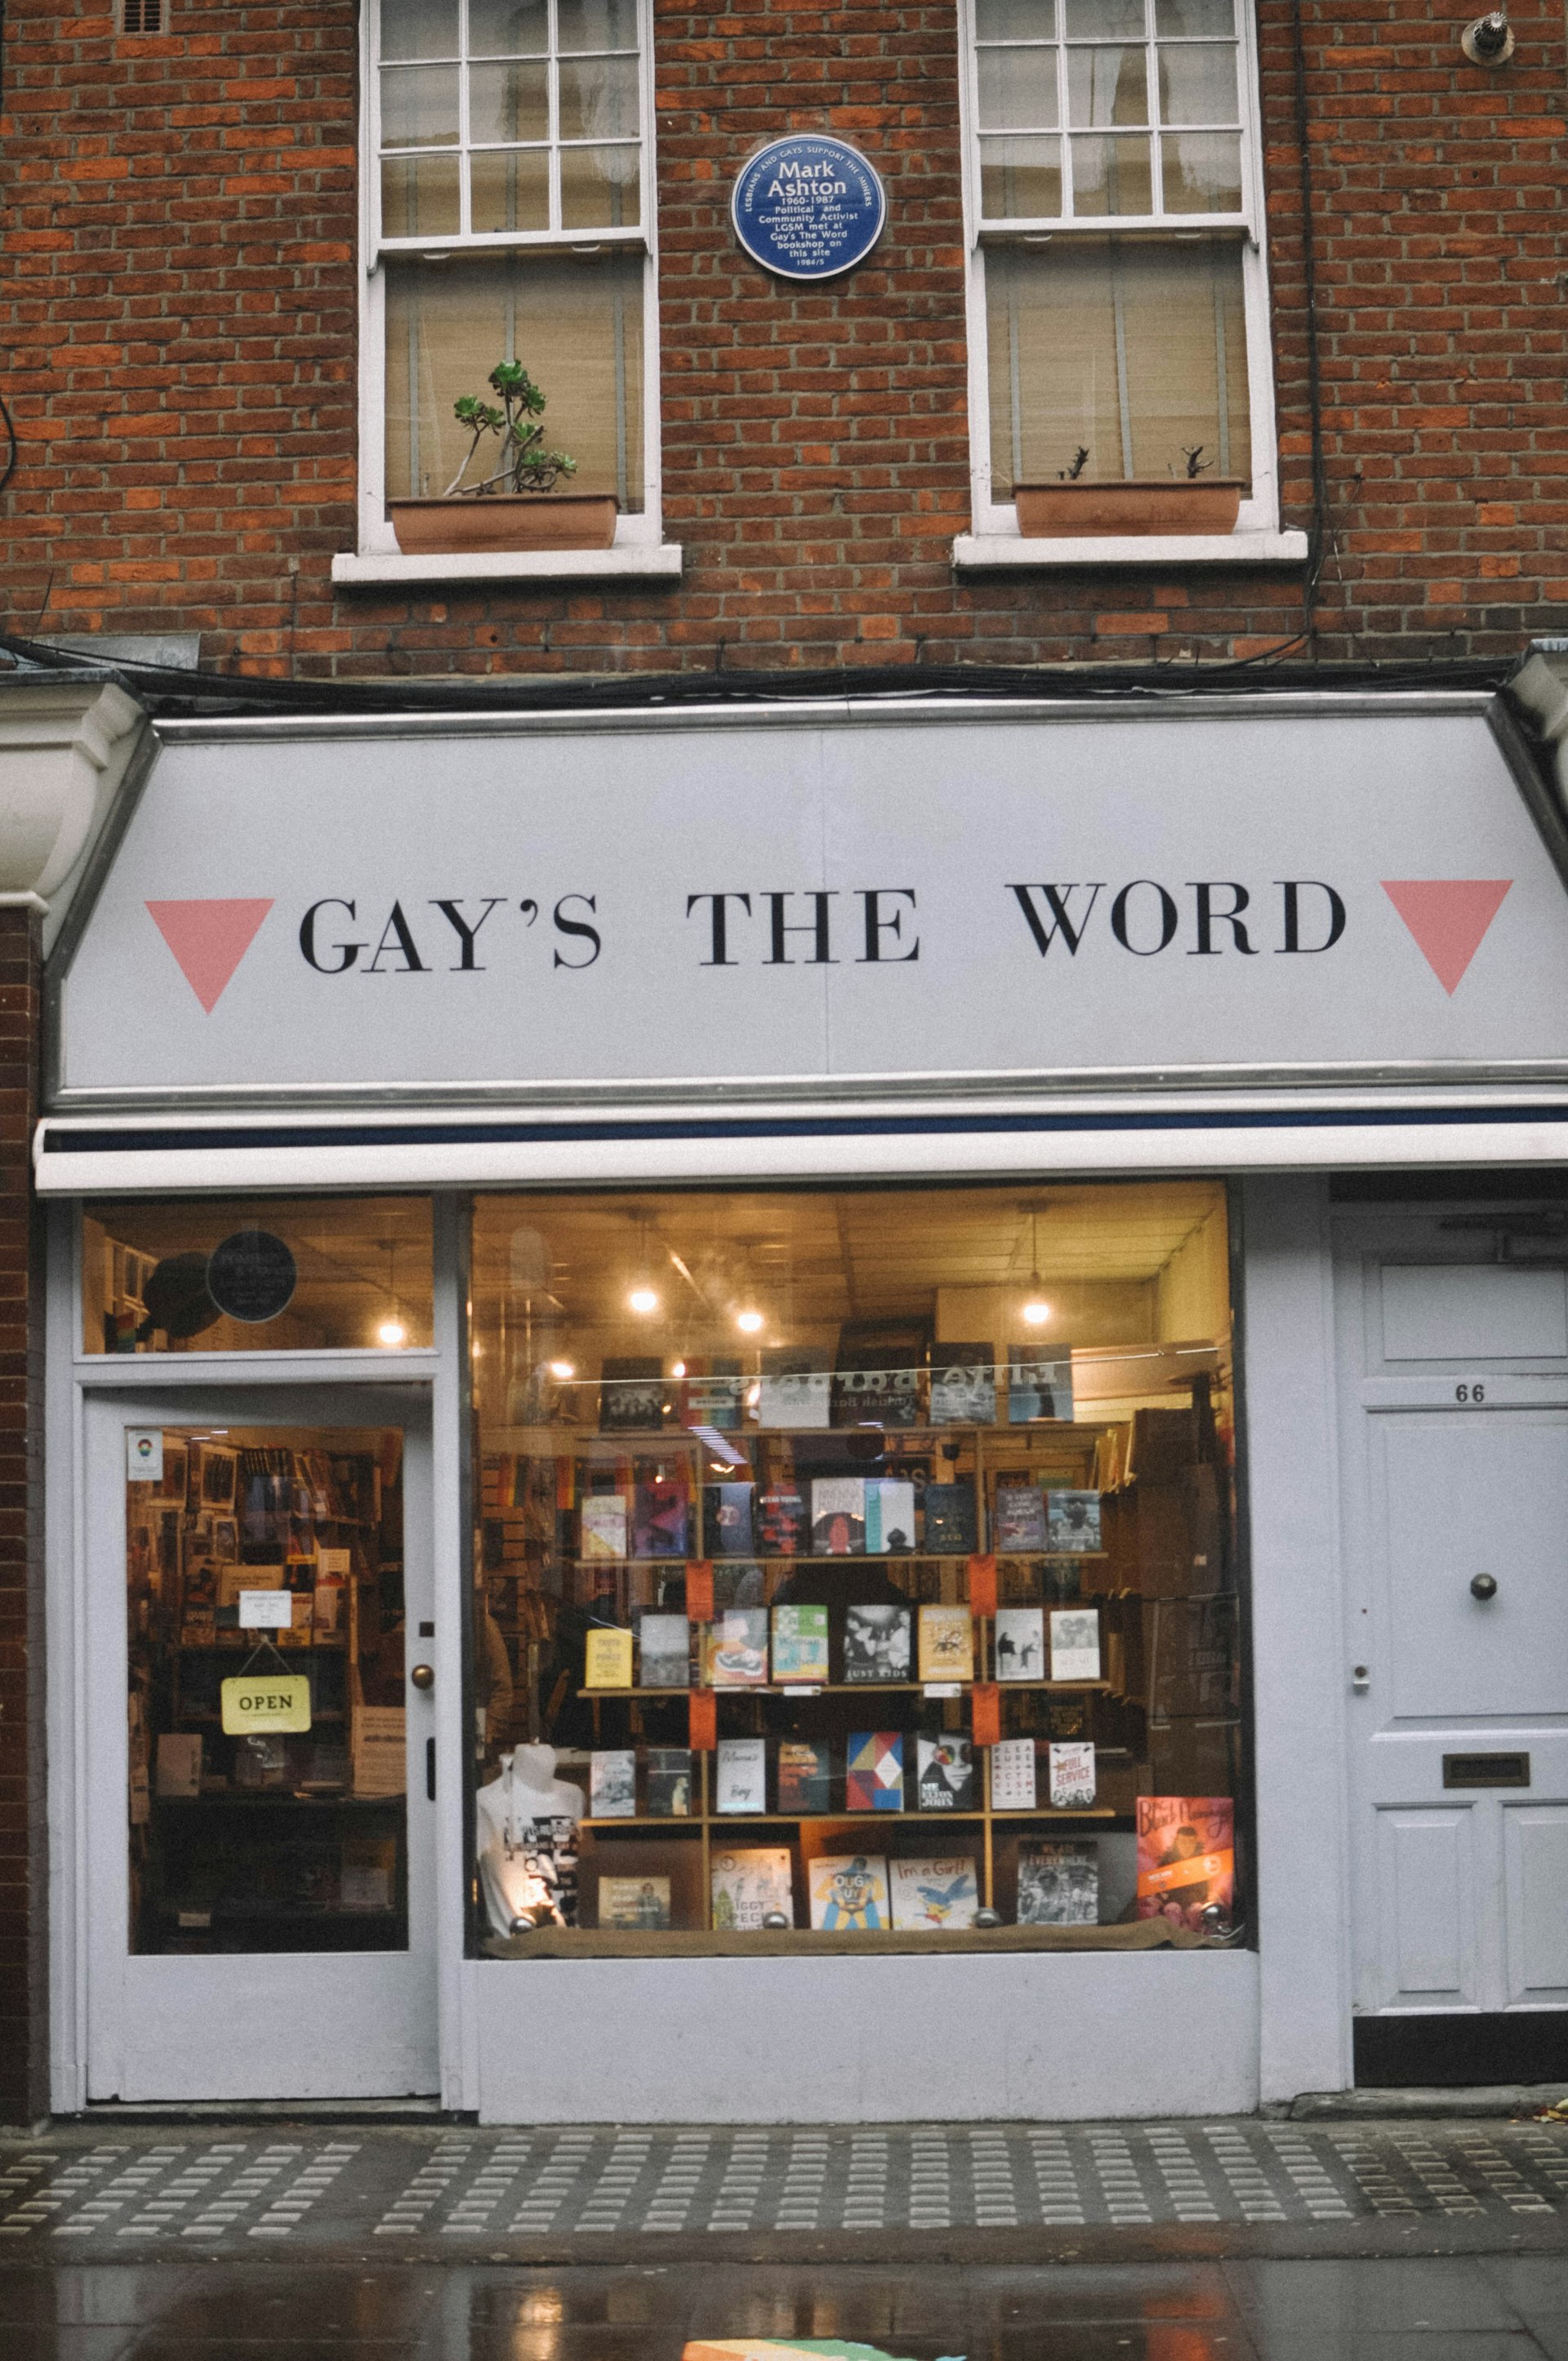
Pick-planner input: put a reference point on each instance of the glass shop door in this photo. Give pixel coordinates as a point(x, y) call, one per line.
point(259, 1745)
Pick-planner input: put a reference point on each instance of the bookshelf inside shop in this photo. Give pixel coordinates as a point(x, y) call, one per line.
point(272, 1557)
point(949, 1656)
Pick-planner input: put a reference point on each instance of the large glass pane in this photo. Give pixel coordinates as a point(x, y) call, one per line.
point(1202, 171)
point(510, 189)
point(263, 1274)
point(576, 323)
point(1134, 352)
point(265, 1599)
point(1176, 19)
point(419, 107)
point(509, 102)
point(1198, 82)
point(1015, 20)
point(596, 25)
point(420, 197)
point(1020, 179)
point(508, 28)
point(853, 1555)
point(1017, 90)
point(599, 99)
point(1105, 21)
point(1111, 176)
point(601, 188)
point(1106, 86)
point(419, 28)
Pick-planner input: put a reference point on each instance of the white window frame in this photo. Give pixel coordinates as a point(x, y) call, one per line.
point(995, 538)
point(639, 545)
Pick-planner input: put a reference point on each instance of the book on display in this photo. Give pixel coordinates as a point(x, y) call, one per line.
point(889, 1515)
point(631, 1395)
point(740, 1783)
point(963, 1385)
point(1020, 1643)
point(1071, 1774)
point(1075, 1644)
point(874, 1770)
point(800, 1645)
point(1039, 1385)
point(1012, 1775)
point(949, 1519)
point(666, 1644)
point(944, 1773)
point(738, 1647)
point(947, 1643)
point(602, 1523)
point(934, 1896)
point(641, 1904)
point(1058, 1884)
point(607, 1659)
point(805, 1774)
point(750, 1883)
point(877, 1643)
point(1072, 1518)
point(670, 1781)
point(839, 1515)
point(727, 1520)
point(796, 1387)
point(612, 1783)
point(848, 1891)
point(1187, 1859)
point(1020, 1518)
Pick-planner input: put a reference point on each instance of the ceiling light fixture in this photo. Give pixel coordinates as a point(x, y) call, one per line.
point(1036, 1310)
point(642, 1300)
point(749, 1322)
point(562, 1369)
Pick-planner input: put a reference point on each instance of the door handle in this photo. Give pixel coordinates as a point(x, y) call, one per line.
point(423, 1676)
point(1482, 1586)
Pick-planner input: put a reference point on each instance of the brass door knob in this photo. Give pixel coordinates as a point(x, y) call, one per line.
point(1482, 1586)
point(423, 1676)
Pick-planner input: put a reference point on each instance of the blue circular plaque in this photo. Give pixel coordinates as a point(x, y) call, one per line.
point(808, 207)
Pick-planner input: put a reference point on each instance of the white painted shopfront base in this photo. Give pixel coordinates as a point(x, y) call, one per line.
point(1032, 2035)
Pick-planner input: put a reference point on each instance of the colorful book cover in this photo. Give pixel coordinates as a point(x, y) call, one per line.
point(945, 1765)
point(874, 1770)
point(848, 1891)
point(795, 1389)
point(738, 1649)
point(839, 1515)
point(660, 1524)
point(876, 1383)
point(631, 1395)
point(666, 1644)
point(750, 1883)
point(1072, 1520)
point(934, 1896)
point(889, 1515)
point(1071, 1781)
point(800, 1645)
point(711, 1393)
point(1021, 1643)
point(1075, 1644)
point(947, 1643)
point(612, 1782)
point(638, 1903)
point(670, 1783)
point(1187, 1858)
point(607, 1660)
point(782, 1523)
point(741, 1777)
point(805, 1771)
point(727, 1520)
point(949, 1519)
point(602, 1521)
point(876, 1643)
point(1012, 1775)
point(1020, 1518)
point(963, 1385)
point(1039, 1386)
point(1058, 1884)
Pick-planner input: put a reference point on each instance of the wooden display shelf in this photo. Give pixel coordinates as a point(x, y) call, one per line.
point(854, 1819)
point(819, 1558)
point(803, 1691)
point(609, 1943)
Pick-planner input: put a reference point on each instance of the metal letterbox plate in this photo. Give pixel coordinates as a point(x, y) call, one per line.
point(1485, 1770)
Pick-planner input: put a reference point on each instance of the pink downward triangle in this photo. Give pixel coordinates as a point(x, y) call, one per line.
point(1448, 917)
point(209, 939)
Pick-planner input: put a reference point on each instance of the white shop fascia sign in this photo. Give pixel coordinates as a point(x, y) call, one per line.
point(813, 921)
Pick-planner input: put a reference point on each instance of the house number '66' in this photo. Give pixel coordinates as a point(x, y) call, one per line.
point(1469, 1393)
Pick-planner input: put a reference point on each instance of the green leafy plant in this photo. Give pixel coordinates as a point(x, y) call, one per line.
point(524, 466)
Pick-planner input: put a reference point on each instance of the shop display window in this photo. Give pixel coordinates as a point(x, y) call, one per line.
point(856, 1567)
point(262, 1275)
point(267, 1780)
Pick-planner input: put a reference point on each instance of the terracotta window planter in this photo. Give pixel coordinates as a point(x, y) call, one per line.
point(1063, 512)
point(504, 521)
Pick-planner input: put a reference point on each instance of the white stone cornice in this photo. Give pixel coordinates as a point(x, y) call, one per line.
point(65, 747)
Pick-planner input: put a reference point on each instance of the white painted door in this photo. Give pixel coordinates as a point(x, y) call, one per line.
point(1455, 1429)
point(260, 1910)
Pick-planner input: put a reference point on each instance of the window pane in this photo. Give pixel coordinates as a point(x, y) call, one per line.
point(419, 107)
point(509, 102)
point(1203, 172)
point(1020, 180)
point(1110, 176)
point(1197, 83)
point(601, 188)
point(1105, 21)
point(1015, 20)
point(599, 100)
point(597, 24)
point(214, 1277)
point(1174, 19)
point(510, 189)
point(1061, 379)
point(1017, 90)
point(508, 28)
point(574, 324)
point(1106, 86)
point(419, 196)
point(419, 28)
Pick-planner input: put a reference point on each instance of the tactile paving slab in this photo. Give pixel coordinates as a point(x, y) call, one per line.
point(457, 2188)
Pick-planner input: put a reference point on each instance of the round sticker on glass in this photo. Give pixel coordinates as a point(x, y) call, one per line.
point(808, 208)
point(252, 1276)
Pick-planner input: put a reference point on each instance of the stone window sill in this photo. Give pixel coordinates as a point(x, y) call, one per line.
point(988, 552)
point(631, 561)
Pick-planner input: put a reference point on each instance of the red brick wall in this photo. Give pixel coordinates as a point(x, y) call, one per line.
point(180, 311)
point(24, 1985)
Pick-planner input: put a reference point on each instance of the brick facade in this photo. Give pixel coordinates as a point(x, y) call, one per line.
point(180, 314)
point(23, 1847)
